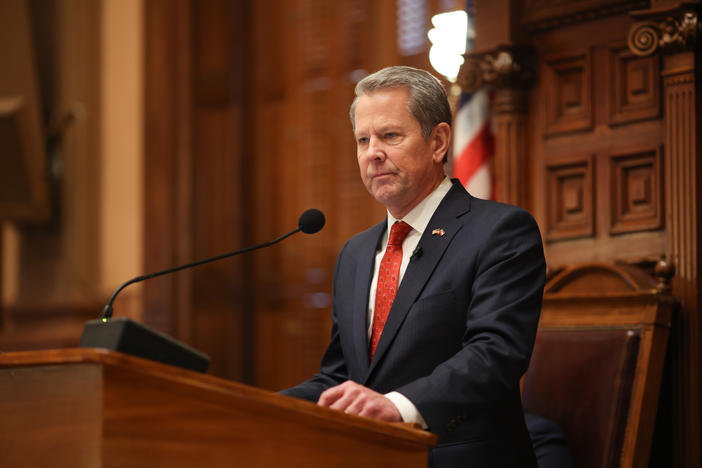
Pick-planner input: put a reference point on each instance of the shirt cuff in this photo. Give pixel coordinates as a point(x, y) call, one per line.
point(409, 412)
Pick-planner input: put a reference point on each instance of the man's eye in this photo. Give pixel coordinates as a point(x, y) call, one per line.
point(362, 140)
point(390, 135)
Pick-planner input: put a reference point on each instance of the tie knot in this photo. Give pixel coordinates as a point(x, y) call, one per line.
point(398, 232)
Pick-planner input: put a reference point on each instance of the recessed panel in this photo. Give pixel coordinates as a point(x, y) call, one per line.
point(636, 191)
point(635, 85)
point(568, 93)
point(569, 198)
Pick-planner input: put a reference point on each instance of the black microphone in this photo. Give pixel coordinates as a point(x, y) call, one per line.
point(130, 337)
point(310, 221)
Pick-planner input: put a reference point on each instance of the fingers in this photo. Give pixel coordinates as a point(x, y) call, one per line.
point(341, 396)
point(353, 398)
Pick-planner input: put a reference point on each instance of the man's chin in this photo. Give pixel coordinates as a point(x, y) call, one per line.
point(385, 194)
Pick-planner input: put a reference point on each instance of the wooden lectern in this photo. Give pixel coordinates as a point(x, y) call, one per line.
point(96, 408)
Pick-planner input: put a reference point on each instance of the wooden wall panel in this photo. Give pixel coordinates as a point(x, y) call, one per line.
point(636, 192)
point(567, 86)
point(627, 94)
point(197, 175)
point(570, 210)
point(635, 86)
point(167, 164)
point(220, 291)
point(606, 131)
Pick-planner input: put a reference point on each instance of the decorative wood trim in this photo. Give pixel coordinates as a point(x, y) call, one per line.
point(541, 15)
point(511, 147)
point(670, 30)
point(570, 207)
point(505, 67)
point(510, 70)
point(636, 191)
point(567, 87)
point(635, 85)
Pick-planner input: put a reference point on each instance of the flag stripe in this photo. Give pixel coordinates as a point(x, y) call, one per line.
point(475, 154)
point(471, 116)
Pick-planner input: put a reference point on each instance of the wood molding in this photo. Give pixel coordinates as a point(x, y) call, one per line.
point(511, 124)
point(636, 191)
point(670, 30)
point(570, 209)
point(635, 87)
point(540, 15)
point(507, 66)
point(567, 85)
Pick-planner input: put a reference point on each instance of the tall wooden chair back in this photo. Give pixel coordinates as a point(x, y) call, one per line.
point(598, 361)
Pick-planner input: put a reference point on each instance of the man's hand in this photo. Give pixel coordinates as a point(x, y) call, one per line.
point(354, 398)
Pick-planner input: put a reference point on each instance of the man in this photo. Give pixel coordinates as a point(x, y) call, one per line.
point(433, 319)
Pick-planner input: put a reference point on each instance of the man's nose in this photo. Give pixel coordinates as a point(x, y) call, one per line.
point(376, 149)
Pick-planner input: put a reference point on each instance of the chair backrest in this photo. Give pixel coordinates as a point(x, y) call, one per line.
point(598, 360)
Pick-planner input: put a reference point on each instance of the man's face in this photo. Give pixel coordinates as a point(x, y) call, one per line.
point(398, 166)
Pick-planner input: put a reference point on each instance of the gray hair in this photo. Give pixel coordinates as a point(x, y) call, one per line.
point(427, 103)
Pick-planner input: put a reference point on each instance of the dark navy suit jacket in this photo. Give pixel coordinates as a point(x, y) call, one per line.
point(459, 334)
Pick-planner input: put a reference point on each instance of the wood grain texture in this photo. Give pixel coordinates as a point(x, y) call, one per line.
point(133, 412)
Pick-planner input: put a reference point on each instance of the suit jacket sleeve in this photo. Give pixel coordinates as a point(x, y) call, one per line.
point(503, 306)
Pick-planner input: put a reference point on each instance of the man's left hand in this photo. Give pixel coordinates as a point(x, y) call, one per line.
point(354, 398)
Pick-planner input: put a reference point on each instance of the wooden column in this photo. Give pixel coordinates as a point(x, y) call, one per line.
point(674, 33)
point(511, 156)
point(507, 70)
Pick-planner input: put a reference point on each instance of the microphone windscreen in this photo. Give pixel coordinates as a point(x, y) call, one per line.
point(311, 221)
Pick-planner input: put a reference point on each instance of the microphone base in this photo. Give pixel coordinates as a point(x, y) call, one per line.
point(129, 337)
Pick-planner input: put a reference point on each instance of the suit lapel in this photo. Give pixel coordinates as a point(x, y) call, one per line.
point(364, 274)
point(418, 272)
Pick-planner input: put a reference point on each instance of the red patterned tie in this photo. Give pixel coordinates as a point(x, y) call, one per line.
point(388, 275)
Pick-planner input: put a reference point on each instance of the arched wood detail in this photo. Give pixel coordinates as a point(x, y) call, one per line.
point(601, 278)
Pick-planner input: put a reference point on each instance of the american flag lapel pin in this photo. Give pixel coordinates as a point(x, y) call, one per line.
point(439, 232)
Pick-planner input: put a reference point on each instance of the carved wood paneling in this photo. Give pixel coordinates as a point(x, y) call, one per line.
point(636, 191)
point(567, 87)
point(510, 124)
point(635, 86)
point(672, 29)
point(570, 193)
point(547, 14)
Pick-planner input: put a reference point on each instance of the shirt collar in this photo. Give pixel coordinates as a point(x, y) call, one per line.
point(419, 216)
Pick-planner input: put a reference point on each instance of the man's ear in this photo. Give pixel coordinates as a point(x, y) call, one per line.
point(440, 140)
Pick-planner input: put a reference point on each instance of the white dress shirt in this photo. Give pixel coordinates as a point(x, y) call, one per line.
point(418, 218)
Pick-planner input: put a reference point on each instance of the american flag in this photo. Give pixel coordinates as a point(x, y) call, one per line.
point(473, 142)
